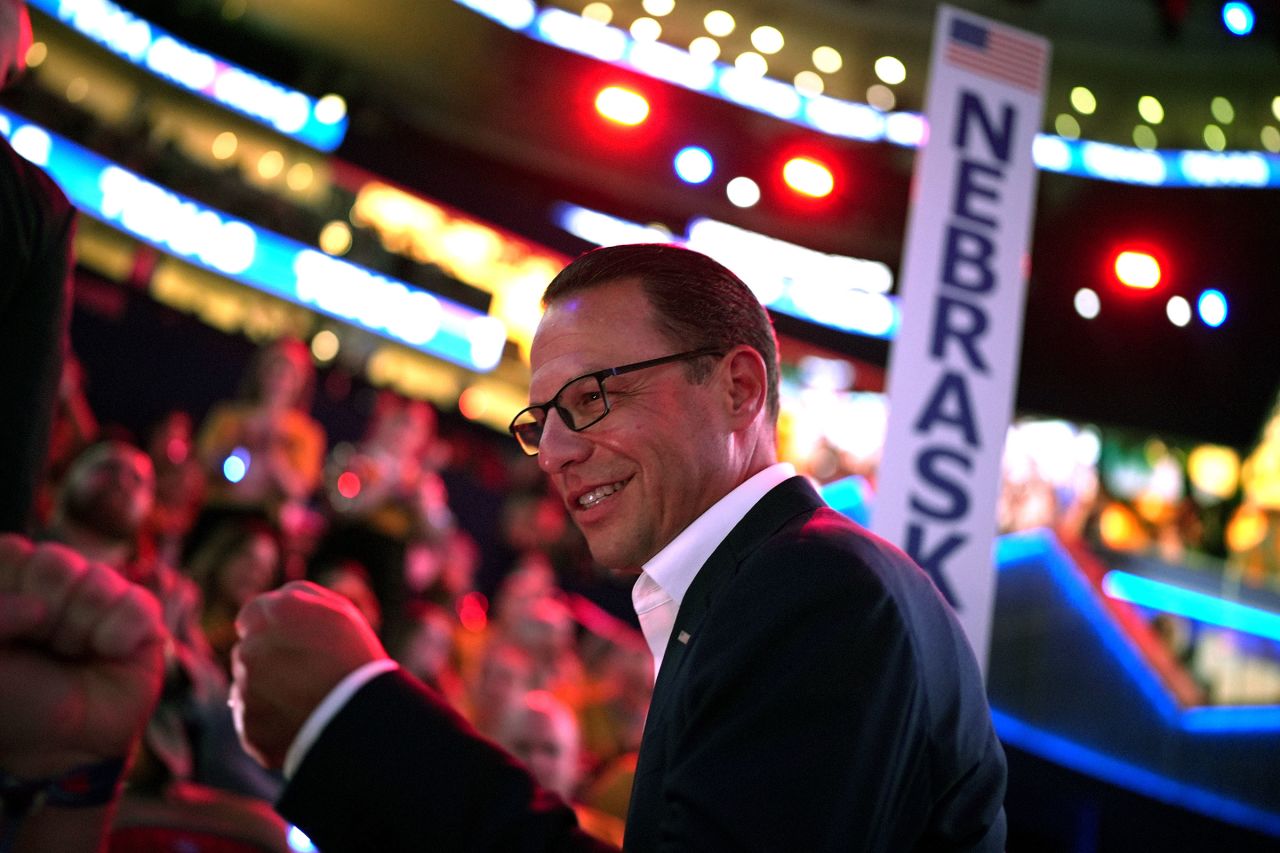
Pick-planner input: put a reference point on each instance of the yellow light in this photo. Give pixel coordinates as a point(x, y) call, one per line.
point(224, 145)
point(1275, 107)
point(1271, 139)
point(1151, 110)
point(809, 83)
point(1138, 270)
point(473, 403)
point(331, 109)
point(827, 59)
point(752, 63)
point(1067, 126)
point(1214, 470)
point(77, 89)
point(1144, 137)
point(1083, 101)
point(808, 177)
point(767, 39)
point(704, 49)
point(1120, 529)
point(233, 10)
point(1214, 137)
point(719, 23)
point(881, 97)
point(37, 53)
point(1222, 110)
point(891, 70)
point(601, 13)
point(659, 8)
point(300, 177)
point(325, 345)
point(622, 106)
point(646, 29)
point(271, 164)
point(1247, 529)
point(335, 238)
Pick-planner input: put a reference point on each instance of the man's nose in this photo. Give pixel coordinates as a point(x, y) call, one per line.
point(559, 445)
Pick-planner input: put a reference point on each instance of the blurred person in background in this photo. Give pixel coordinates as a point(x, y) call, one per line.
point(180, 483)
point(389, 509)
point(542, 732)
point(102, 503)
point(426, 651)
point(37, 229)
point(263, 453)
point(240, 558)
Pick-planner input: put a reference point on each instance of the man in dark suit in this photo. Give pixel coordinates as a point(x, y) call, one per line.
point(813, 691)
point(37, 226)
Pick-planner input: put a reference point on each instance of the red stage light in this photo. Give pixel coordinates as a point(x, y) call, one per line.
point(622, 106)
point(808, 176)
point(1137, 269)
point(348, 485)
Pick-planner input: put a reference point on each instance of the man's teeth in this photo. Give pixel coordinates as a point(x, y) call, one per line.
point(594, 496)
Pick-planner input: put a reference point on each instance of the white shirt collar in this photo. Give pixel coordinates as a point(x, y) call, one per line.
point(668, 574)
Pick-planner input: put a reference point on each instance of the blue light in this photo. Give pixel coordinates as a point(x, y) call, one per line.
point(1238, 18)
point(261, 259)
point(1099, 765)
point(153, 49)
point(694, 165)
point(1212, 306)
point(236, 465)
point(1194, 605)
point(850, 497)
point(299, 842)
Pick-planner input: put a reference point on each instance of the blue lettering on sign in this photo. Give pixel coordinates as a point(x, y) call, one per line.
point(960, 323)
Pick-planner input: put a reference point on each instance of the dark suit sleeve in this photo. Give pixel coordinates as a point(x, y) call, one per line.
point(806, 723)
point(397, 770)
point(37, 225)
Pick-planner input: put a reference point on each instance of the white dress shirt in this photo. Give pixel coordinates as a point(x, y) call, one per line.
point(666, 577)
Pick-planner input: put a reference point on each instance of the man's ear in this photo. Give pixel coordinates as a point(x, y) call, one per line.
point(747, 383)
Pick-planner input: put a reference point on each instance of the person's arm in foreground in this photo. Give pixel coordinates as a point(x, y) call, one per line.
point(395, 768)
point(80, 670)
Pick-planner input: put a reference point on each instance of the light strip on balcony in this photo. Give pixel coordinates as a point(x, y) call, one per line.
point(318, 123)
point(261, 259)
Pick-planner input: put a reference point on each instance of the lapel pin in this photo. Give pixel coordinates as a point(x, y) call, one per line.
point(683, 637)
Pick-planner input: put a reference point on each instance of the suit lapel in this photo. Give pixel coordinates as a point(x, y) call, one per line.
point(782, 503)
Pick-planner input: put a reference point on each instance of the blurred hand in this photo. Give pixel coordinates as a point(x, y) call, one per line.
point(81, 659)
point(296, 644)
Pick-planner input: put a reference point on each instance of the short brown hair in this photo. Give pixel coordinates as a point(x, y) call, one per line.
point(698, 302)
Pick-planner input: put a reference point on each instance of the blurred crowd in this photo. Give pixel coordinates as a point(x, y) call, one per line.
point(209, 515)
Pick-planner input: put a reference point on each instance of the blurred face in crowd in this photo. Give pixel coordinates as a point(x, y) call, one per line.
point(283, 374)
point(542, 733)
point(250, 570)
point(658, 460)
point(427, 651)
point(110, 490)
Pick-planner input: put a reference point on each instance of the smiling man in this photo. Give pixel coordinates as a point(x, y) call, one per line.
point(813, 691)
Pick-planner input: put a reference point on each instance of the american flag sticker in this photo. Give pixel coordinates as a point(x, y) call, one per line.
point(997, 53)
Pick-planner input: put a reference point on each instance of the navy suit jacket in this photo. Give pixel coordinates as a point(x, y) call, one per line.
point(817, 694)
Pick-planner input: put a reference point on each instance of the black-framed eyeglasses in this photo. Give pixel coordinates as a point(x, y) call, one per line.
point(582, 401)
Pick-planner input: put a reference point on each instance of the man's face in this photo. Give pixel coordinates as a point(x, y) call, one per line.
point(111, 491)
point(659, 459)
point(548, 745)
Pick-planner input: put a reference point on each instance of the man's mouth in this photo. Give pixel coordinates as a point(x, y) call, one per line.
point(589, 499)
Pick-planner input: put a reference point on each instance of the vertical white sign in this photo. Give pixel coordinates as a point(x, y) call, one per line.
point(954, 365)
